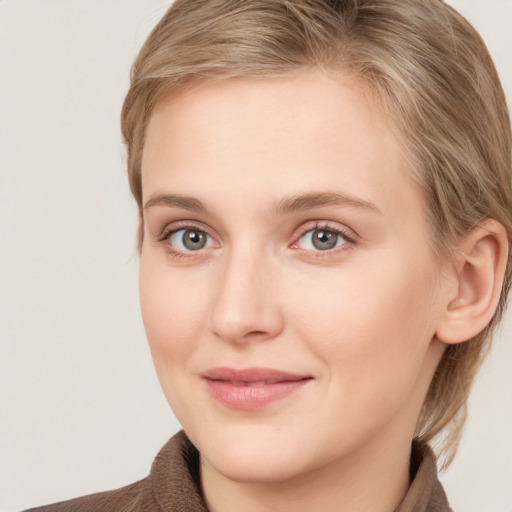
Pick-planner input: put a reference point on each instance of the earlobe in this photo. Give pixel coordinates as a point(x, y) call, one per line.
point(479, 274)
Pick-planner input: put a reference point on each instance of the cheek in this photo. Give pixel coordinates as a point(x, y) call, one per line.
point(171, 312)
point(369, 327)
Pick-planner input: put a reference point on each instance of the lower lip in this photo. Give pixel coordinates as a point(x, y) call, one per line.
point(247, 396)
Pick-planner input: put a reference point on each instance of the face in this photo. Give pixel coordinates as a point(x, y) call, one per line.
point(288, 289)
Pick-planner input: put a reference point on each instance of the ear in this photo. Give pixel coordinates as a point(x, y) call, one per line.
point(479, 272)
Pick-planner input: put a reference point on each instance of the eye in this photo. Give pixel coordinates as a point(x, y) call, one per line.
point(186, 240)
point(321, 240)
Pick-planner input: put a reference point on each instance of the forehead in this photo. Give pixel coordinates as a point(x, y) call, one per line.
point(306, 130)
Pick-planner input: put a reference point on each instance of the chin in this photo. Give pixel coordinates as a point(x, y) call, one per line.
point(253, 454)
point(245, 453)
point(251, 466)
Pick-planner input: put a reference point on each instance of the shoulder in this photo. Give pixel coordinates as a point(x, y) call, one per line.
point(172, 484)
point(125, 499)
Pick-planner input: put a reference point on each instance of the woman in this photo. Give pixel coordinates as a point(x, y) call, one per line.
point(324, 192)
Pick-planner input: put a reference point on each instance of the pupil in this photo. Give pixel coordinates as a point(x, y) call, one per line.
point(324, 240)
point(194, 240)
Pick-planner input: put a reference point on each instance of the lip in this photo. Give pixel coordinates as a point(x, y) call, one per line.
point(252, 388)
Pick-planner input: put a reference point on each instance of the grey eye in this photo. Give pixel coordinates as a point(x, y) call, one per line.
point(321, 240)
point(324, 240)
point(189, 239)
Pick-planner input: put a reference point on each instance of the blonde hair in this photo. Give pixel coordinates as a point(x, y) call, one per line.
point(431, 72)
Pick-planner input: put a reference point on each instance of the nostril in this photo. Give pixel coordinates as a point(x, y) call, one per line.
point(255, 334)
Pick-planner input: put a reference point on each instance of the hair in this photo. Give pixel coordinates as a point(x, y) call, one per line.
point(433, 76)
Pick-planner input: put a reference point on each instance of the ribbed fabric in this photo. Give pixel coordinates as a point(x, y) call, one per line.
point(425, 494)
point(173, 486)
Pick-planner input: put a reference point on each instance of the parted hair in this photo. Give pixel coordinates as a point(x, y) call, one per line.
point(432, 74)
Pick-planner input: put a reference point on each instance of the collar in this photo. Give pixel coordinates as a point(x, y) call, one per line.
point(175, 479)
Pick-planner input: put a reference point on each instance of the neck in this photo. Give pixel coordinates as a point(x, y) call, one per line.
point(373, 480)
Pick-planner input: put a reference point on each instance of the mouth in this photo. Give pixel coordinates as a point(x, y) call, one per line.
point(252, 388)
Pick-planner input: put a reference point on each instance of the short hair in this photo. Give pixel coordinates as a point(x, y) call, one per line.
point(430, 71)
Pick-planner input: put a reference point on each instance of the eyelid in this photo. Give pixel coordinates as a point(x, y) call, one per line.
point(179, 225)
point(334, 227)
point(184, 225)
point(179, 245)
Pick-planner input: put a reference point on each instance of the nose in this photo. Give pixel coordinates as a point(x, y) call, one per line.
point(246, 305)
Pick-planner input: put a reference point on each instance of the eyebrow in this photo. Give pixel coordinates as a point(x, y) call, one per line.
point(315, 200)
point(187, 203)
point(286, 205)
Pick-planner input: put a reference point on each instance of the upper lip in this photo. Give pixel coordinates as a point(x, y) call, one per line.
point(250, 375)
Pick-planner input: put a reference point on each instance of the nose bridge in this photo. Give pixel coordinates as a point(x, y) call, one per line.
point(245, 306)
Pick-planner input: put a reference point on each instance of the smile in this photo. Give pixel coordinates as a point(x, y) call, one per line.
point(252, 388)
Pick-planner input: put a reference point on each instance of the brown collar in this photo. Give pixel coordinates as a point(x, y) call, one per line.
point(175, 479)
point(425, 493)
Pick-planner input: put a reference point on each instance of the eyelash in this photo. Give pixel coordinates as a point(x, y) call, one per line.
point(303, 230)
point(326, 226)
point(175, 228)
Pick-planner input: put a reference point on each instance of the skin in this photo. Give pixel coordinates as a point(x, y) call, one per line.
point(359, 319)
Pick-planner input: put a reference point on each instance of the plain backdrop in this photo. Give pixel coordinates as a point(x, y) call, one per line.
point(81, 408)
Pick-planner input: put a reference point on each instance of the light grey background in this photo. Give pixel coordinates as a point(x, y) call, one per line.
point(82, 410)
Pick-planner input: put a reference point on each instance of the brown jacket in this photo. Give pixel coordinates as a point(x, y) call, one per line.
point(173, 486)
